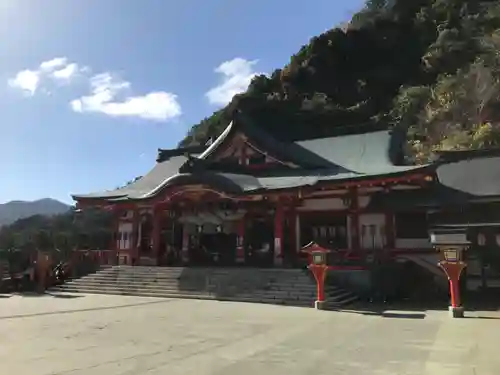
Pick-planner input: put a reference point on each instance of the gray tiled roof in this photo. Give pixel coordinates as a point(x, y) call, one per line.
point(145, 185)
point(367, 153)
point(327, 159)
point(459, 182)
point(285, 151)
point(479, 176)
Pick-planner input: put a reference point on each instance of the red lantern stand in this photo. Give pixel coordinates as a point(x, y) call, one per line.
point(319, 268)
point(42, 267)
point(453, 270)
point(452, 244)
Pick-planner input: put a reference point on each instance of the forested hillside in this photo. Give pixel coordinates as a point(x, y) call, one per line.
point(15, 210)
point(432, 66)
point(87, 229)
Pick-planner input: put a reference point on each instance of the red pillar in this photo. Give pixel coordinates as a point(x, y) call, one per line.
point(240, 241)
point(389, 231)
point(156, 235)
point(185, 245)
point(116, 227)
point(278, 234)
point(292, 230)
point(134, 249)
point(354, 211)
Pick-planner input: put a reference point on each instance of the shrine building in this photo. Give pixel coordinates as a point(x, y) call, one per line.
point(252, 199)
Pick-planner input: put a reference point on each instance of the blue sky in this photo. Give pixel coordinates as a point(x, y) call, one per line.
point(90, 89)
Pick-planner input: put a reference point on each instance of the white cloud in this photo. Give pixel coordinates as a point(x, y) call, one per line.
point(53, 64)
point(236, 76)
point(29, 80)
point(158, 105)
point(108, 94)
point(66, 73)
point(26, 80)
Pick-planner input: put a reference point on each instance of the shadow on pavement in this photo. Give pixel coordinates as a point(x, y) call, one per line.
point(64, 296)
point(403, 315)
point(479, 305)
point(482, 317)
point(46, 294)
point(99, 308)
point(387, 311)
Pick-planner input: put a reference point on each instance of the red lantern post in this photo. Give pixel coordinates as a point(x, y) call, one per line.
point(319, 268)
point(43, 263)
point(452, 243)
point(453, 271)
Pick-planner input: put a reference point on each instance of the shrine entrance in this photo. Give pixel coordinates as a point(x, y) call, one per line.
point(145, 228)
point(200, 226)
point(259, 250)
point(210, 236)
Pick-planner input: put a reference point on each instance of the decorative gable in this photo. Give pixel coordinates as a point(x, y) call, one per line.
point(232, 150)
point(244, 144)
point(240, 150)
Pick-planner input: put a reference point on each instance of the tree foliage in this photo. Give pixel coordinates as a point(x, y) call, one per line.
point(410, 63)
point(89, 229)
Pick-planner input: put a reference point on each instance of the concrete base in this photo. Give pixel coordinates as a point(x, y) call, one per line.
point(319, 305)
point(456, 312)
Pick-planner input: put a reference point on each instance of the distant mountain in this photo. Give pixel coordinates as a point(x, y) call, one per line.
point(15, 210)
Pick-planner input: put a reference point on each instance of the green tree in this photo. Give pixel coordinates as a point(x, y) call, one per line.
point(387, 63)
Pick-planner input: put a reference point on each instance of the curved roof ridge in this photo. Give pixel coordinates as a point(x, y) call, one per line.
point(217, 142)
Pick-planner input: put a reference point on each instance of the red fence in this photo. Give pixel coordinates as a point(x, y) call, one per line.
point(99, 257)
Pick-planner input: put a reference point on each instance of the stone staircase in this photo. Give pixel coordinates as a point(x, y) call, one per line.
point(293, 287)
point(4, 270)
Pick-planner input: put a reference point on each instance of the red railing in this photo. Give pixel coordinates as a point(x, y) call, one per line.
point(99, 257)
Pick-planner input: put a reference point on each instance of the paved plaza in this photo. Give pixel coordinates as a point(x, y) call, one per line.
point(96, 334)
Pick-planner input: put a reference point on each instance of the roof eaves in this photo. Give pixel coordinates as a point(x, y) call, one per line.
point(165, 154)
point(159, 187)
point(81, 197)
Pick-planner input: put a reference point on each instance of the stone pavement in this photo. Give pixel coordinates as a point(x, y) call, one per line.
point(113, 335)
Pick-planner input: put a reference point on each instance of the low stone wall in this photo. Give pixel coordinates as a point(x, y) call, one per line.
point(358, 281)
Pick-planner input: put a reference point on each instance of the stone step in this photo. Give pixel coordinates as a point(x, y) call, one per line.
point(339, 294)
point(100, 276)
point(255, 298)
point(277, 301)
point(236, 273)
point(334, 305)
point(219, 271)
point(279, 296)
point(214, 288)
point(283, 286)
point(133, 293)
point(156, 291)
point(153, 287)
point(118, 287)
point(254, 278)
point(277, 286)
